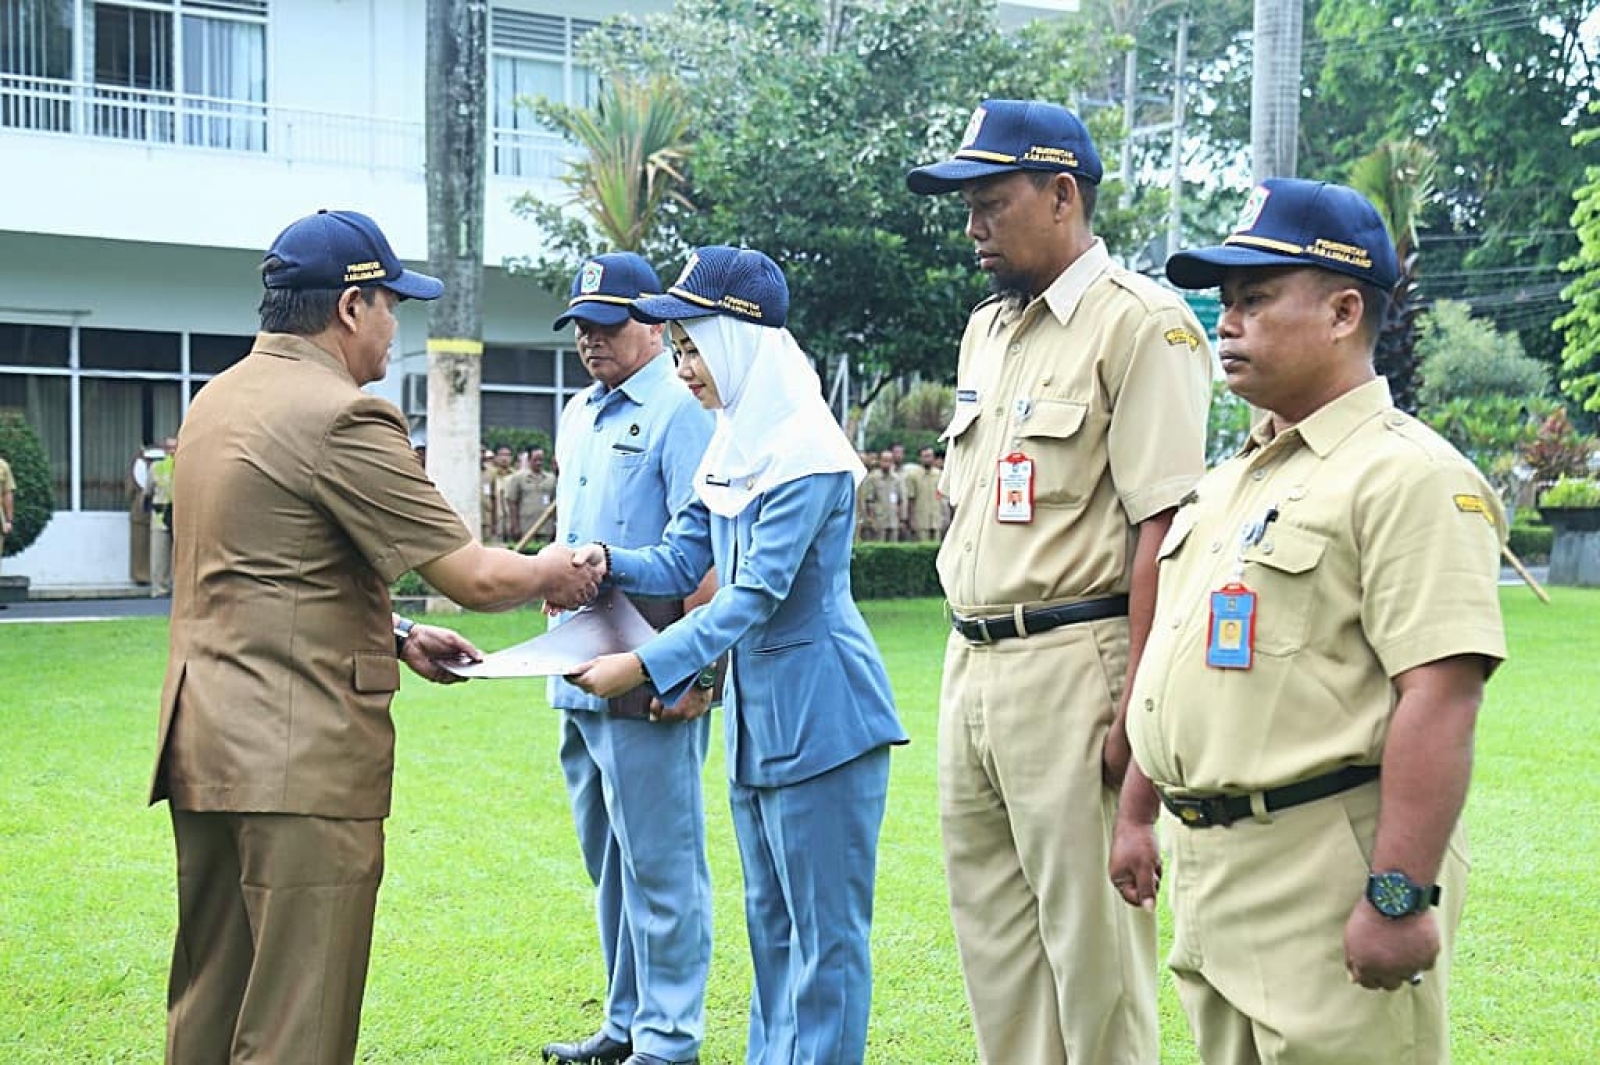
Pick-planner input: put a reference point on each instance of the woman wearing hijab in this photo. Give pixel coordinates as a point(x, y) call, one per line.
point(809, 714)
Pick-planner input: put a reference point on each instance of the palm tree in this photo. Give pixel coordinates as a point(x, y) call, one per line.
point(636, 142)
point(1398, 177)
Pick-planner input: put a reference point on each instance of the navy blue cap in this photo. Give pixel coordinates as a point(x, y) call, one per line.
point(1294, 222)
point(1006, 135)
point(605, 286)
point(737, 282)
point(336, 249)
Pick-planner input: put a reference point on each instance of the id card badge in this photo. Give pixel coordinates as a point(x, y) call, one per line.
point(1232, 635)
point(1014, 489)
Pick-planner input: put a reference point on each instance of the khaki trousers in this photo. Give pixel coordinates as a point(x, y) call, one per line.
point(1259, 910)
point(160, 558)
point(1058, 968)
point(274, 927)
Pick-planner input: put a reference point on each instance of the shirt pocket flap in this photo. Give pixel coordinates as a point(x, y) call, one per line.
point(1182, 525)
point(961, 421)
point(375, 671)
point(1053, 418)
point(1288, 549)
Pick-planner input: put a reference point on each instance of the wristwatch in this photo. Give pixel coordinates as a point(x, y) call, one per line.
point(402, 633)
point(706, 679)
point(1394, 895)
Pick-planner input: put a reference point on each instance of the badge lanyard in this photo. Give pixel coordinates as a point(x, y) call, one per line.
point(1231, 636)
point(1013, 480)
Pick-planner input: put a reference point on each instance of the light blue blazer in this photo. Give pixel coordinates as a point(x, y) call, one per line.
point(806, 689)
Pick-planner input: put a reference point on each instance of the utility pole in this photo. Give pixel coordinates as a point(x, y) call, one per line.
point(457, 113)
point(1275, 88)
point(1180, 66)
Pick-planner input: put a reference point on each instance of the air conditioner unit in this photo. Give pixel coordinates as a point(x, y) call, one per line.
point(415, 393)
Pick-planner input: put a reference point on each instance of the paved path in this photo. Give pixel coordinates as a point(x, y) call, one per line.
point(83, 609)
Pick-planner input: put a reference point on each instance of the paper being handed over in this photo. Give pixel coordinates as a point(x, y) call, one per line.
point(609, 625)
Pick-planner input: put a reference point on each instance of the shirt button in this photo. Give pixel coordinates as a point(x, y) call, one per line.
point(1266, 549)
point(1015, 349)
point(967, 547)
point(1149, 705)
point(597, 427)
point(1256, 475)
point(583, 481)
point(572, 538)
point(1216, 545)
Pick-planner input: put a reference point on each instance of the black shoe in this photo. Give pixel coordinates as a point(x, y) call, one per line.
point(651, 1059)
point(598, 1049)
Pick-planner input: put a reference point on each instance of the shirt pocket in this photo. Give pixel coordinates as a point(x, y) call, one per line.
point(374, 671)
point(1055, 438)
point(1282, 571)
point(960, 465)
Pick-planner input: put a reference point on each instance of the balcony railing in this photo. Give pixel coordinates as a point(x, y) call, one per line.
point(188, 121)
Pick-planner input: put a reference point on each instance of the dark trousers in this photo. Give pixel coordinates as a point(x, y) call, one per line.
point(274, 927)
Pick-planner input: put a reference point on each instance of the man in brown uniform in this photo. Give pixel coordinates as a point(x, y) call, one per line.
point(1079, 424)
point(529, 495)
point(1327, 618)
point(886, 499)
point(299, 501)
point(924, 507)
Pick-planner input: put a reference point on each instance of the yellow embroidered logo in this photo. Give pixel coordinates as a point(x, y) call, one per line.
point(370, 271)
point(1474, 505)
point(1045, 153)
point(1181, 336)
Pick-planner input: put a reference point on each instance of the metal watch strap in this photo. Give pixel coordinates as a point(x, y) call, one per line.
point(402, 633)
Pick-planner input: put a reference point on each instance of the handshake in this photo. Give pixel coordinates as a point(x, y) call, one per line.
point(569, 578)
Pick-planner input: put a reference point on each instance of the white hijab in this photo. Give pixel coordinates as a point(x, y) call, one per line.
point(773, 426)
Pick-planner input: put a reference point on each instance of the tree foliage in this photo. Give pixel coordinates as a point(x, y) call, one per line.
point(1468, 358)
point(33, 503)
point(805, 117)
point(1492, 89)
point(1580, 361)
point(635, 141)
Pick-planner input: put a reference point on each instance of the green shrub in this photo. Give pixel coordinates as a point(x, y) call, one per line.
point(894, 571)
point(1529, 541)
point(411, 586)
point(518, 440)
point(33, 502)
point(1572, 492)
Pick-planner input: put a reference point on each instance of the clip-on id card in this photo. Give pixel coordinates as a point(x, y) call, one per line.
point(1230, 643)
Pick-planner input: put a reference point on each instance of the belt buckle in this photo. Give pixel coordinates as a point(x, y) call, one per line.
point(982, 627)
point(1202, 813)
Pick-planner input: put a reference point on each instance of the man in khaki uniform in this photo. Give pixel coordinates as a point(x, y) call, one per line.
point(161, 496)
point(886, 499)
point(1328, 615)
point(489, 498)
point(8, 502)
point(528, 496)
point(1079, 425)
point(924, 508)
point(299, 500)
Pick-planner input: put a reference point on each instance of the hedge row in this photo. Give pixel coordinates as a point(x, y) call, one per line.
point(877, 571)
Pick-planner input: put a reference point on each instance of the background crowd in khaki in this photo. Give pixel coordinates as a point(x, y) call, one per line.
point(517, 496)
point(900, 501)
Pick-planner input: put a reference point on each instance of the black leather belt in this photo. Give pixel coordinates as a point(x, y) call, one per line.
point(1042, 619)
point(1207, 810)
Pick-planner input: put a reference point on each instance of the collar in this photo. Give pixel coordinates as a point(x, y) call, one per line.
point(293, 346)
point(1328, 426)
point(641, 384)
point(1067, 290)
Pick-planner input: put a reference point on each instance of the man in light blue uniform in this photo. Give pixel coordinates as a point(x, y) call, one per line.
point(627, 448)
point(810, 716)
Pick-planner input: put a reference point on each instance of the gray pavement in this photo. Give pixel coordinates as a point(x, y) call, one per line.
point(83, 609)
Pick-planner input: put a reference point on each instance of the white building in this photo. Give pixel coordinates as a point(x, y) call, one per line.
point(149, 152)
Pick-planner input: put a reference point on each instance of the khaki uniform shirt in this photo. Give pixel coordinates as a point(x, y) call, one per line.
point(1384, 556)
point(922, 497)
point(886, 499)
point(528, 495)
point(1103, 381)
point(302, 500)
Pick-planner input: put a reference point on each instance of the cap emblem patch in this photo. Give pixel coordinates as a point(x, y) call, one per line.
point(974, 125)
point(589, 279)
point(1253, 208)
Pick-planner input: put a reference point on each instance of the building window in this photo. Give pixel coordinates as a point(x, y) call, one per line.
point(166, 71)
point(530, 56)
point(99, 396)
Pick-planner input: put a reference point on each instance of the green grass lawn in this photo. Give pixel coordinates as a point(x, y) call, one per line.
point(484, 945)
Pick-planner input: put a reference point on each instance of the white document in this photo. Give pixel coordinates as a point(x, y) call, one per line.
point(609, 625)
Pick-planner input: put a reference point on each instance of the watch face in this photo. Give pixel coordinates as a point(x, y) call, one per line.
point(1392, 894)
